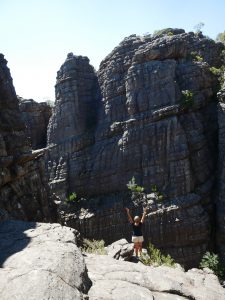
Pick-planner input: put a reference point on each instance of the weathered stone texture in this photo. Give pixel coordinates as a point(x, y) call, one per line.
point(220, 203)
point(121, 250)
point(144, 130)
point(36, 116)
point(116, 279)
point(40, 261)
point(75, 90)
point(23, 183)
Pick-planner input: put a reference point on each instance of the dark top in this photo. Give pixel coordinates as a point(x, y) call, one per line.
point(137, 229)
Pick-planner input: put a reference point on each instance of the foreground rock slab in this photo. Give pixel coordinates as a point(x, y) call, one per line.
point(115, 279)
point(40, 261)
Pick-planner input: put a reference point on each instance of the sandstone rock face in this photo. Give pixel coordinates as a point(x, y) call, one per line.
point(146, 127)
point(73, 119)
point(36, 116)
point(23, 184)
point(40, 261)
point(115, 280)
point(75, 104)
point(221, 174)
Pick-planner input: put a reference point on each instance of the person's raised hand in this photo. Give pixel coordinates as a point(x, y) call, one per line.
point(145, 209)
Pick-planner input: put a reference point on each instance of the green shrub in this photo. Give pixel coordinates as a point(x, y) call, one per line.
point(155, 257)
point(154, 189)
point(159, 196)
point(215, 71)
point(193, 54)
point(219, 72)
point(161, 32)
point(199, 58)
point(212, 261)
point(223, 55)
point(196, 56)
point(133, 187)
point(94, 246)
point(221, 37)
point(71, 198)
point(187, 100)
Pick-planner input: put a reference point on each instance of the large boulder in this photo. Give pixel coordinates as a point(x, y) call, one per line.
point(121, 250)
point(40, 261)
point(115, 279)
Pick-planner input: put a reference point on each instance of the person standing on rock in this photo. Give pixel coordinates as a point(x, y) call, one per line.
point(137, 237)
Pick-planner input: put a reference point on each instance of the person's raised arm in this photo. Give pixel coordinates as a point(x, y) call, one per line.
point(128, 214)
point(144, 214)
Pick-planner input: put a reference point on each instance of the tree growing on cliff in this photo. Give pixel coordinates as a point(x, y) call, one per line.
point(187, 100)
point(133, 187)
point(71, 198)
point(198, 27)
point(221, 37)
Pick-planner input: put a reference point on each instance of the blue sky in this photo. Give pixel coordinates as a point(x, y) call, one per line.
point(36, 35)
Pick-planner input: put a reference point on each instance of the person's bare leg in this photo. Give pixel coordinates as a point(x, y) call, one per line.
point(140, 248)
point(136, 249)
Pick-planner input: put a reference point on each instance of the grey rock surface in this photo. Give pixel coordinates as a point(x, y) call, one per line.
point(40, 261)
point(75, 104)
point(114, 280)
point(220, 203)
point(144, 128)
point(36, 116)
point(121, 250)
point(73, 119)
point(23, 183)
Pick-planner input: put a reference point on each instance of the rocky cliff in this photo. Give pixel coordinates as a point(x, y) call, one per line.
point(221, 174)
point(23, 184)
point(36, 116)
point(156, 108)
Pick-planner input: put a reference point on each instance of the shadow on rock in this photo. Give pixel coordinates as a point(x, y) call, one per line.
point(13, 238)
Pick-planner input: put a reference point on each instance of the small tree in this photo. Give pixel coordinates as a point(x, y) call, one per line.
point(133, 187)
point(198, 27)
point(187, 100)
point(221, 37)
point(71, 198)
